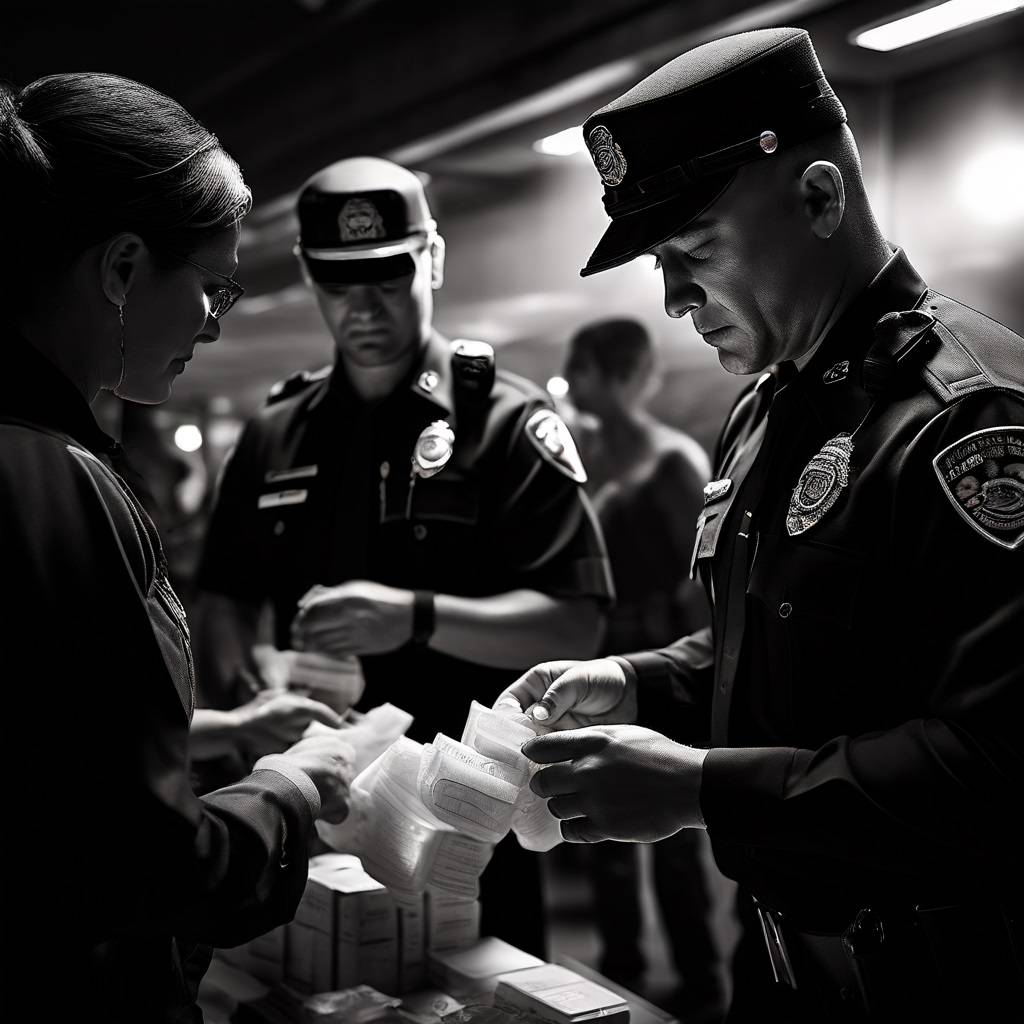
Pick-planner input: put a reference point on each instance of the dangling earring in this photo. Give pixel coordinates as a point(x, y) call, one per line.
point(120, 380)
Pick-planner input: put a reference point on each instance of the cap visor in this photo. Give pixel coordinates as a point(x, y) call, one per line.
point(368, 252)
point(634, 234)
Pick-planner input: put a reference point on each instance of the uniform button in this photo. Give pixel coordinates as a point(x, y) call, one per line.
point(785, 610)
point(419, 531)
point(278, 528)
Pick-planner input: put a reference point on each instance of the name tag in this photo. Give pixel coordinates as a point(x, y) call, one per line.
point(273, 476)
point(282, 498)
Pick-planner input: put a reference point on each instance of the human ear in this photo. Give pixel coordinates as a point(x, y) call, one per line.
point(307, 277)
point(119, 264)
point(824, 197)
point(436, 262)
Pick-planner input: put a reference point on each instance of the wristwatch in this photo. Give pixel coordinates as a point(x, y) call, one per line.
point(422, 617)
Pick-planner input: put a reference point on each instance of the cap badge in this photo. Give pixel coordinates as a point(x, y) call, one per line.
point(433, 449)
point(769, 142)
point(608, 157)
point(360, 221)
point(824, 478)
point(982, 474)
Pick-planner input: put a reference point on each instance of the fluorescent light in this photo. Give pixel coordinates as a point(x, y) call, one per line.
point(188, 437)
point(567, 142)
point(988, 185)
point(558, 387)
point(933, 21)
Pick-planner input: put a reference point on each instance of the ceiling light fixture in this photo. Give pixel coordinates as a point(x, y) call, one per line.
point(932, 21)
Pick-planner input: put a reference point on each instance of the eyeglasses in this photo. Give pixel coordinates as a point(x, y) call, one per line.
point(225, 296)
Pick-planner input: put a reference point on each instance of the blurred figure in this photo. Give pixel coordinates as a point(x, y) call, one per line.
point(646, 481)
point(410, 505)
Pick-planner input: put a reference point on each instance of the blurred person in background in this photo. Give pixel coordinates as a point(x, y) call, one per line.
point(121, 226)
point(848, 731)
point(409, 506)
point(645, 479)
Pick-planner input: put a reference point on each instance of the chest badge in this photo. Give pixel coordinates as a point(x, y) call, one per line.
point(716, 489)
point(433, 449)
point(836, 373)
point(824, 478)
point(982, 474)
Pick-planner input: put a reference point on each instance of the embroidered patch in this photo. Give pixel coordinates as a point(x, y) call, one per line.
point(607, 154)
point(822, 481)
point(982, 474)
point(360, 221)
point(550, 436)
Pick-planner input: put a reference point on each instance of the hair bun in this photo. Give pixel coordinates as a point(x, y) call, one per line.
point(18, 145)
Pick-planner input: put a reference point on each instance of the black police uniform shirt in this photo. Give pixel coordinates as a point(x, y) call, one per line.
point(113, 871)
point(319, 490)
point(863, 681)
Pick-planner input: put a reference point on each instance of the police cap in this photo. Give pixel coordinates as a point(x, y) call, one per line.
point(671, 145)
point(360, 218)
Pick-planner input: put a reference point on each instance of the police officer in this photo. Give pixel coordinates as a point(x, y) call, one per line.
point(424, 508)
point(848, 730)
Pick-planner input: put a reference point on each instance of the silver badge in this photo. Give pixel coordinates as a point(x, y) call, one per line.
point(360, 221)
point(433, 449)
point(716, 489)
point(428, 380)
point(608, 157)
point(834, 374)
point(820, 485)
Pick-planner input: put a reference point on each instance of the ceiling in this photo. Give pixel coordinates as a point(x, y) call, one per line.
point(459, 91)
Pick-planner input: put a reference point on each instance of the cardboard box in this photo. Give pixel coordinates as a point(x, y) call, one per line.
point(550, 994)
point(412, 946)
point(475, 970)
point(452, 922)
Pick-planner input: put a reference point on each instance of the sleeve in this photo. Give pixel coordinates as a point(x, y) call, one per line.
point(546, 532)
point(103, 788)
point(938, 791)
point(674, 687)
point(230, 563)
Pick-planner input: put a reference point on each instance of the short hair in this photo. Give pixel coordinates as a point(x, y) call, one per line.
point(617, 347)
point(85, 156)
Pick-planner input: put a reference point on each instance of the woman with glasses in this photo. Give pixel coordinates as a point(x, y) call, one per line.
point(120, 219)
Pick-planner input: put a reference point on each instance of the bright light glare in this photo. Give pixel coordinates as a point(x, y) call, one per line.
point(988, 184)
point(566, 143)
point(558, 387)
point(188, 437)
point(932, 22)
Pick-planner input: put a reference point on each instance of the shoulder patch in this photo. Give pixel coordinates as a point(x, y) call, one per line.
point(295, 383)
point(982, 474)
point(550, 436)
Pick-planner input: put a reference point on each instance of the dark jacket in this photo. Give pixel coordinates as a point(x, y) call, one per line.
point(863, 682)
point(116, 877)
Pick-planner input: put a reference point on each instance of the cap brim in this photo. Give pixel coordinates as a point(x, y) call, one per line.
point(368, 252)
point(634, 234)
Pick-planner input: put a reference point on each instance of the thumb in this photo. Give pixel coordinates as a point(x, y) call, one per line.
point(563, 694)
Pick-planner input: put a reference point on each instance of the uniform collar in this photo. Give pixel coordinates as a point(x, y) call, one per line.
point(831, 379)
point(430, 379)
point(34, 390)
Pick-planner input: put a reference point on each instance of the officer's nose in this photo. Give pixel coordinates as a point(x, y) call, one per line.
point(363, 302)
point(210, 331)
point(682, 295)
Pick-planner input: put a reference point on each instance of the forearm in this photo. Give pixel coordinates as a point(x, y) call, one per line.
point(516, 629)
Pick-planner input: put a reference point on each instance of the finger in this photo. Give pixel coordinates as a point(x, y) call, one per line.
point(581, 830)
point(566, 807)
point(558, 780)
point(565, 691)
point(531, 686)
point(564, 746)
point(320, 712)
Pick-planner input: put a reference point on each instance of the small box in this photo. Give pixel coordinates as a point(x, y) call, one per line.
point(550, 994)
point(475, 970)
point(452, 922)
point(412, 948)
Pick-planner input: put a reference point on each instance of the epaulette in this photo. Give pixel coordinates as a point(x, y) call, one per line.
point(295, 383)
point(972, 353)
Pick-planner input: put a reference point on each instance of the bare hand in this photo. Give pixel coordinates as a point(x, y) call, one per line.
point(618, 782)
point(573, 694)
point(358, 617)
point(330, 763)
point(271, 722)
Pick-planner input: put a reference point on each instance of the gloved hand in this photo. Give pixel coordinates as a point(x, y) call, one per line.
point(618, 782)
point(357, 617)
point(572, 694)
